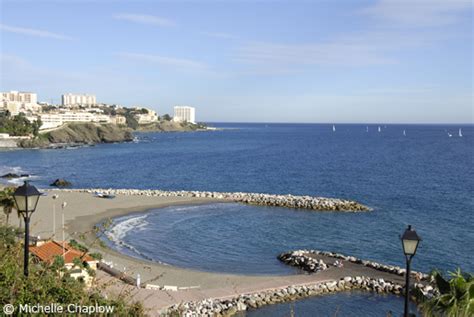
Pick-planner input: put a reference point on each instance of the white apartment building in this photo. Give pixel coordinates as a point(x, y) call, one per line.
point(144, 118)
point(184, 114)
point(18, 101)
point(54, 120)
point(118, 119)
point(78, 100)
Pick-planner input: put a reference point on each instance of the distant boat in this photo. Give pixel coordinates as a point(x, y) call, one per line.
point(379, 129)
point(367, 129)
point(460, 133)
point(449, 134)
point(333, 128)
point(404, 133)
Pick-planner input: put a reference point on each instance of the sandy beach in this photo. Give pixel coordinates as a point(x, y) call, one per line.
point(84, 211)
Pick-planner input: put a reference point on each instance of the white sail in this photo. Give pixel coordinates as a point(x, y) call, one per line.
point(333, 128)
point(379, 129)
point(367, 128)
point(404, 133)
point(460, 133)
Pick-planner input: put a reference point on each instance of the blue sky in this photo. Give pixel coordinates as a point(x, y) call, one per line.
point(386, 61)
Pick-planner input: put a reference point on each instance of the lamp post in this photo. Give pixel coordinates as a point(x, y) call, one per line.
point(410, 241)
point(63, 205)
point(54, 215)
point(26, 199)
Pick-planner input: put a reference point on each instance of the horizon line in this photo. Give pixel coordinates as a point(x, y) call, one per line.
point(345, 123)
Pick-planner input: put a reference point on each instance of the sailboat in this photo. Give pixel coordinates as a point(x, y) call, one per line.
point(379, 129)
point(367, 128)
point(404, 133)
point(449, 134)
point(333, 128)
point(460, 133)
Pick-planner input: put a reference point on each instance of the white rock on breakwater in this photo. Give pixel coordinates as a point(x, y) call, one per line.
point(230, 306)
point(295, 258)
point(301, 260)
point(289, 201)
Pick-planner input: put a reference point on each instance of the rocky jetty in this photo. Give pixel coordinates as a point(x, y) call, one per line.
point(301, 258)
point(10, 176)
point(289, 201)
point(230, 306)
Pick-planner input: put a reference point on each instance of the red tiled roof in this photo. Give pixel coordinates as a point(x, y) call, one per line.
point(49, 250)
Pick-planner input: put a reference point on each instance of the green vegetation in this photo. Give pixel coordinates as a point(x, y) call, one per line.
point(165, 117)
point(50, 283)
point(456, 295)
point(131, 121)
point(18, 125)
point(96, 255)
point(7, 203)
point(76, 245)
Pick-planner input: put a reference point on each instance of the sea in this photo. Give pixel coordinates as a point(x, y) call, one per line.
point(419, 175)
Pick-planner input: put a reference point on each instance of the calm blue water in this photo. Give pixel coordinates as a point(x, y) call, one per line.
point(424, 179)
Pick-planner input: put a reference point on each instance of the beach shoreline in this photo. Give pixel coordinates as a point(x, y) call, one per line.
point(84, 211)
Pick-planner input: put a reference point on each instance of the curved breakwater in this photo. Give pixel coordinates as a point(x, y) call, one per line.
point(243, 302)
point(288, 201)
point(302, 259)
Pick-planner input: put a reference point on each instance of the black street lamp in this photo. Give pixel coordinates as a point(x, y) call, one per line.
point(410, 241)
point(26, 198)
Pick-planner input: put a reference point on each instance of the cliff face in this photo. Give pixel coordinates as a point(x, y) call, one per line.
point(169, 126)
point(90, 133)
point(81, 133)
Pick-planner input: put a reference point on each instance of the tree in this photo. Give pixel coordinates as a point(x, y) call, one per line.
point(18, 125)
point(166, 117)
point(456, 295)
point(36, 126)
point(131, 121)
point(7, 202)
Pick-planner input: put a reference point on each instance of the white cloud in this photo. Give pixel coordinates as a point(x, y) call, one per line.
point(162, 60)
point(33, 32)
point(145, 19)
point(418, 13)
point(377, 46)
point(344, 52)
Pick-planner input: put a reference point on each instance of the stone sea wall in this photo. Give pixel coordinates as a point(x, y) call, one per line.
point(230, 306)
point(301, 259)
point(289, 201)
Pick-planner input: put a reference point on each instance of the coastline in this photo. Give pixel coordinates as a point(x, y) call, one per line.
point(84, 211)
